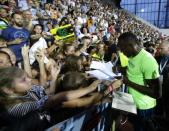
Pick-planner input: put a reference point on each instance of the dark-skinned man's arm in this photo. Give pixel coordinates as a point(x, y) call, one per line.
point(152, 87)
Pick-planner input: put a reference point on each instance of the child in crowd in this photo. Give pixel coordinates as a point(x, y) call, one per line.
point(38, 33)
point(20, 97)
point(73, 63)
point(75, 80)
point(7, 58)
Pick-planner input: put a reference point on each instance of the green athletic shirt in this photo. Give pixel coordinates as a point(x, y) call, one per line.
point(142, 66)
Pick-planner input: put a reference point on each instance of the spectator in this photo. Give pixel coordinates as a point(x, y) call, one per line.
point(37, 33)
point(28, 20)
point(4, 19)
point(16, 36)
point(23, 98)
point(164, 70)
point(73, 63)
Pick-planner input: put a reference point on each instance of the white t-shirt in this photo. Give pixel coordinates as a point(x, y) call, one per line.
point(40, 44)
point(23, 4)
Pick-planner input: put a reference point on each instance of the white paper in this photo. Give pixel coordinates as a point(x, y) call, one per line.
point(98, 74)
point(124, 102)
point(97, 65)
point(105, 68)
point(109, 66)
point(40, 44)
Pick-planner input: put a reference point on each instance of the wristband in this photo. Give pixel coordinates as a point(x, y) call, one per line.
point(110, 88)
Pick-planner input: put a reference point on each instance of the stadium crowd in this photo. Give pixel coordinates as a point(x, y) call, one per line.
point(47, 47)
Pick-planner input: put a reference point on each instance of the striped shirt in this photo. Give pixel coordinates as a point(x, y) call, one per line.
point(33, 100)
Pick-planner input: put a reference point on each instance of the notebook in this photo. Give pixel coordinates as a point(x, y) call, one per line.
point(124, 102)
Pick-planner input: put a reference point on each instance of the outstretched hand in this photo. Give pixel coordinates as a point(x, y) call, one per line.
point(40, 55)
point(55, 70)
point(95, 84)
point(25, 51)
point(117, 84)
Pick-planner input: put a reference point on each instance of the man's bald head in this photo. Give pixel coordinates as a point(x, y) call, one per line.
point(164, 48)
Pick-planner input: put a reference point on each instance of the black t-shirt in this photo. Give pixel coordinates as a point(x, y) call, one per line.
point(111, 49)
point(165, 72)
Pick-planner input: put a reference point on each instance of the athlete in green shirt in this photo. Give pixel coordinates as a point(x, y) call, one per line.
point(142, 77)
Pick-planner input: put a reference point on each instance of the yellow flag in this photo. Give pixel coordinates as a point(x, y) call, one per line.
point(64, 33)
